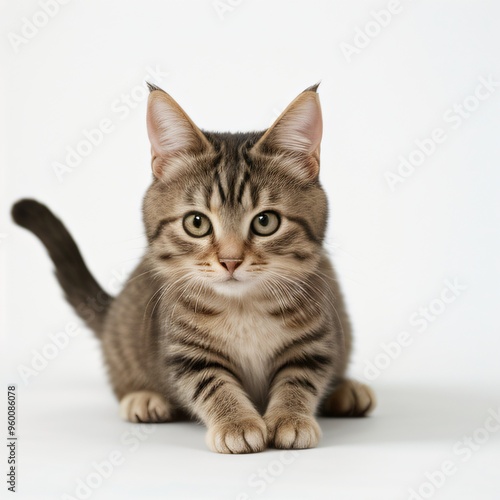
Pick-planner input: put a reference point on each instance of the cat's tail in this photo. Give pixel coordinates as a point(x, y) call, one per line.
point(82, 291)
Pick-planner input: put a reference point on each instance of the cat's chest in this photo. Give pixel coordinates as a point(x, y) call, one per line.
point(251, 338)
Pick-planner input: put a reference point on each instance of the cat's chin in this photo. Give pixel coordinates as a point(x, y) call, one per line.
point(232, 287)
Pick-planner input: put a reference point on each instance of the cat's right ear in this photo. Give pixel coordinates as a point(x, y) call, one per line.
point(171, 133)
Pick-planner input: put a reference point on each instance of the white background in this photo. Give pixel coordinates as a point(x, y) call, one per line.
point(393, 249)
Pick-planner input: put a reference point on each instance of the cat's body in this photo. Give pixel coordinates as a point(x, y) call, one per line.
point(234, 315)
point(250, 332)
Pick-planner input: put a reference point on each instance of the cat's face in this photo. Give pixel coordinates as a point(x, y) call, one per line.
point(235, 212)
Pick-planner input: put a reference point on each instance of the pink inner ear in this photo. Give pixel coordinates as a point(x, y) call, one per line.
point(169, 128)
point(316, 130)
point(153, 133)
point(300, 128)
point(310, 123)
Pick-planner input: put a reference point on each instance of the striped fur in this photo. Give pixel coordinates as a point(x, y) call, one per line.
point(257, 356)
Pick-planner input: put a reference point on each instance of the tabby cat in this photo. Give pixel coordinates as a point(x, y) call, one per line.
point(234, 316)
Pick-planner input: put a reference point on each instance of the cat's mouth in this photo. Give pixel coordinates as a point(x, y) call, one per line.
point(232, 286)
point(230, 281)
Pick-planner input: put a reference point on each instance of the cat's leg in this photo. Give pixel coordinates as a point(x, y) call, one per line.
point(350, 398)
point(234, 425)
point(145, 407)
point(215, 395)
point(293, 400)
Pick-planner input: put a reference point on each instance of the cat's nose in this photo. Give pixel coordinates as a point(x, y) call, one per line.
point(230, 264)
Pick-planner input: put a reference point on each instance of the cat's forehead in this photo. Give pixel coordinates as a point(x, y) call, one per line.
point(231, 183)
point(231, 191)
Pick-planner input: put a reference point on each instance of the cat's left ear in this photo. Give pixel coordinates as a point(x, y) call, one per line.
point(297, 132)
point(171, 133)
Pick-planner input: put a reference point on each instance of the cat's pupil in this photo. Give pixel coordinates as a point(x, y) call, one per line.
point(263, 220)
point(197, 221)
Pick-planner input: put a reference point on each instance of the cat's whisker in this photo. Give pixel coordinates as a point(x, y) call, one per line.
point(149, 301)
point(149, 271)
point(163, 289)
point(182, 290)
point(201, 287)
point(330, 302)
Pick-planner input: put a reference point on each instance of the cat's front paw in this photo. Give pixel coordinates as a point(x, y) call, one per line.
point(292, 431)
point(145, 407)
point(248, 435)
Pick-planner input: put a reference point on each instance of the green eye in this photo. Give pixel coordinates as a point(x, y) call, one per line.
point(197, 225)
point(266, 223)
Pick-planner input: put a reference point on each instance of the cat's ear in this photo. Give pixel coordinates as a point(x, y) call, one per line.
point(171, 131)
point(297, 131)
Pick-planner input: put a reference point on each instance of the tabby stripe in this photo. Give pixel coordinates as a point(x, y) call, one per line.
point(305, 339)
point(213, 390)
point(246, 155)
point(254, 190)
point(254, 194)
point(296, 255)
point(160, 227)
point(203, 348)
point(185, 246)
point(208, 195)
point(243, 184)
point(304, 383)
point(197, 307)
point(305, 226)
point(212, 167)
point(314, 362)
point(283, 241)
point(188, 327)
point(186, 364)
point(201, 385)
point(219, 186)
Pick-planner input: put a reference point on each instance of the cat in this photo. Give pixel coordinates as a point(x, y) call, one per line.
point(234, 316)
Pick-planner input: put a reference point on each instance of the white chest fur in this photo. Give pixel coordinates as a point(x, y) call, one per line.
point(251, 337)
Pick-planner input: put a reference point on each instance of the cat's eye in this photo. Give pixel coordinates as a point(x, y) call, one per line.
point(265, 223)
point(197, 225)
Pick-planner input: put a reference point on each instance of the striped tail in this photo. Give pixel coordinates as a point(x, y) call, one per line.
point(82, 291)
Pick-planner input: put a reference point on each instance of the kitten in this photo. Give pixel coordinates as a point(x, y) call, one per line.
point(234, 315)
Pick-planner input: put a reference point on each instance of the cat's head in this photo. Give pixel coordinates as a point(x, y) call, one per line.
point(235, 212)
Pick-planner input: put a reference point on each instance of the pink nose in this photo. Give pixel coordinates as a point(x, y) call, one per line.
point(230, 264)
